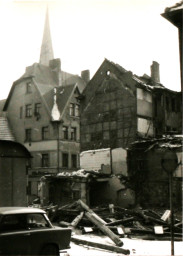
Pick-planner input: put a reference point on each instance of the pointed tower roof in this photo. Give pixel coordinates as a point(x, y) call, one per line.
point(46, 48)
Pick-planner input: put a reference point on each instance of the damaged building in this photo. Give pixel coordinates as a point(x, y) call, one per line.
point(147, 177)
point(118, 108)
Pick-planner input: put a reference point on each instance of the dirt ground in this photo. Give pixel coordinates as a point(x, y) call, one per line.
point(137, 247)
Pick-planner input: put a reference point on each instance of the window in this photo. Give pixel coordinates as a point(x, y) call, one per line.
point(65, 132)
point(45, 133)
point(45, 160)
point(28, 110)
point(28, 134)
point(37, 109)
point(71, 110)
point(74, 161)
point(28, 87)
point(76, 110)
point(21, 112)
point(73, 133)
point(65, 159)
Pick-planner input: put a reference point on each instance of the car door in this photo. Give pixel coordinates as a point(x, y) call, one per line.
point(14, 237)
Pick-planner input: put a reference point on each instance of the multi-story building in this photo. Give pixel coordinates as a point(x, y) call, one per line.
point(118, 108)
point(43, 111)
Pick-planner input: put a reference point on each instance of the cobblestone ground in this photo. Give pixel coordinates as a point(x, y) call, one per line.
point(137, 247)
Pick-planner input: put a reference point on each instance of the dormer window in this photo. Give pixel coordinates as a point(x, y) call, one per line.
point(28, 87)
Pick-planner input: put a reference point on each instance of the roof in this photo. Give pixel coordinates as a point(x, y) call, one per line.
point(168, 142)
point(13, 149)
point(45, 80)
point(19, 210)
point(5, 130)
point(63, 95)
point(174, 14)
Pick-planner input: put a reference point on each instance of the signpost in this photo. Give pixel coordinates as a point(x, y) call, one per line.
point(169, 164)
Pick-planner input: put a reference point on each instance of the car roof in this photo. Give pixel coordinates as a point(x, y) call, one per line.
point(18, 210)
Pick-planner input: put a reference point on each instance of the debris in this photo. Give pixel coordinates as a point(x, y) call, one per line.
point(101, 246)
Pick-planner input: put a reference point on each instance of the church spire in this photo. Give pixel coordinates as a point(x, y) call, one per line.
point(46, 48)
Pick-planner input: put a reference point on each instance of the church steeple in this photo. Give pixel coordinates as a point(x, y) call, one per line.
point(46, 48)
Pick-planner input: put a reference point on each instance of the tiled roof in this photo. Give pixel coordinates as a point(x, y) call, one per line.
point(5, 131)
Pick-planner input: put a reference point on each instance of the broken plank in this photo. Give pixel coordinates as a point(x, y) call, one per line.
point(104, 229)
point(85, 207)
point(122, 221)
point(75, 222)
point(101, 246)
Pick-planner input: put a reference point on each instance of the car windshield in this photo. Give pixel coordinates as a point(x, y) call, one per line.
point(18, 222)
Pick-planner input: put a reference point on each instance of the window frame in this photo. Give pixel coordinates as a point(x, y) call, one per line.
point(45, 132)
point(28, 134)
point(65, 131)
point(73, 133)
point(28, 110)
point(65, 160)
point(28, 87)
point(45, 160)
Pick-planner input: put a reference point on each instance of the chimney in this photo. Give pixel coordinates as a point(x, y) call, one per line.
point(85, 75)
point(155, 72)
point(55, 66)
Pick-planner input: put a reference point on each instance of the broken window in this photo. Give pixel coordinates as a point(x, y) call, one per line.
point(37, 109)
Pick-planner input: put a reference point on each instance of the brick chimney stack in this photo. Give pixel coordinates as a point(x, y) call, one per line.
point(155, 72)
point(85, 75)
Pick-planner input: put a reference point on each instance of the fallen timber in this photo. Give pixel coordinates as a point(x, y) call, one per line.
point(101, 246)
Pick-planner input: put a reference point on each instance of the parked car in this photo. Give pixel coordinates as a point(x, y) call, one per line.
point(28, 231)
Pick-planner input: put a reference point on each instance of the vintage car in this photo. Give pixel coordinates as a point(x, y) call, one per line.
point(28, 231)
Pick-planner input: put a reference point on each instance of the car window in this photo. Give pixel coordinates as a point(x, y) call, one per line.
point(19, 222)
point(36, 220)
point(13, 222)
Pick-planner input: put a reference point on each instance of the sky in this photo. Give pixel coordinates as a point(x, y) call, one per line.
point(131, 33)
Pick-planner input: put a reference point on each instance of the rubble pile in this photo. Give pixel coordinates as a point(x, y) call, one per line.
point(122, 222)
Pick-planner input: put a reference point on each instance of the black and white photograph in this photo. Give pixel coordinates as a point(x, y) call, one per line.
point(91, 160)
